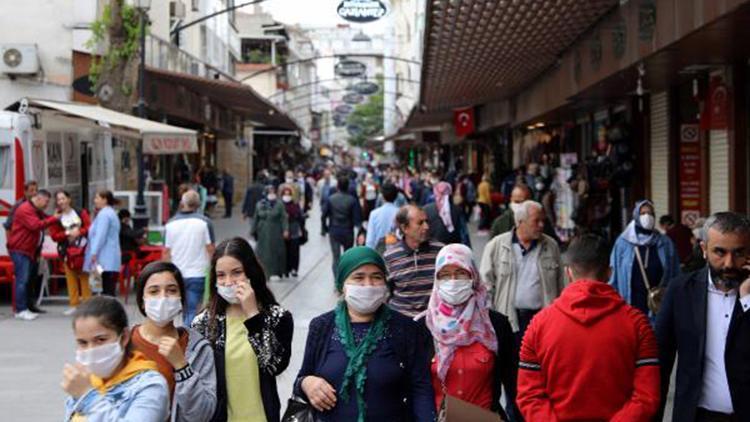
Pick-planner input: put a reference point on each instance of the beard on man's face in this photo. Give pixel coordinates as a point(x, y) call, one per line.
point(727, 277)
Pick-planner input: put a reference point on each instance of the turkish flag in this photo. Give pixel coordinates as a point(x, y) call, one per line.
point(463, 121)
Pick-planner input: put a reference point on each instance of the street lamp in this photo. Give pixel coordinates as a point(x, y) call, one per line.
point(140, 217)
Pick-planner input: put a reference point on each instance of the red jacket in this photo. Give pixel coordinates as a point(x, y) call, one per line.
point(589, 356)
point(26, 233)
point(57, 231)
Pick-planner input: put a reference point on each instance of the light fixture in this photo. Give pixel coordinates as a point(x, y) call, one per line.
point(142, 4)
point(540, 124)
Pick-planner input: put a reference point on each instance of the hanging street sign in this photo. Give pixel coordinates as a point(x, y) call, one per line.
point(343, 109)
point(339, 122)
point(362, 11)
point(366, 88)
point(353, 98)
point(349, 69)
point(354, 130)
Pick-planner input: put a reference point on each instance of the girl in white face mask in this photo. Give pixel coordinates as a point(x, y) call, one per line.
point(473, 345)
point(182, 355)
point(109, 380)
point(250, 334)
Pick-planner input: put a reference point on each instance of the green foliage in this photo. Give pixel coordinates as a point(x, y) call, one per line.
point(368, 116)
point(115, 54)
point(257, 56)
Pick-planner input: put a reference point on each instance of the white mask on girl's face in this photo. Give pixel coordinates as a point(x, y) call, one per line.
point(162, 310)
point(287, 198)
point(271, 196)
point(365, 299)
point(101, 360)
point(647, 221)
point(229, 293)
point(455, 292)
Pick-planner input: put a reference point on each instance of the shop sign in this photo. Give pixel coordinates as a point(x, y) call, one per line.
point(169, 144)
point(716, 108)
point(366, 88)
point(691, 174)
point(354, 130)
point(54, 159)
point(343, 109)
point(463, 121)
point(353, 98)
point(362, 11)
point(339, 120)
point(349, 69)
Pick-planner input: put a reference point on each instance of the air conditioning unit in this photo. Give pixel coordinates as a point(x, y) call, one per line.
point(177, 9)
point(19, 59)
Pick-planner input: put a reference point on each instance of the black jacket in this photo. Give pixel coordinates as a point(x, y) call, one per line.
point(253, 194)
point(341, 212)
point(506, 363)
point(681, 330)
point(270, 335)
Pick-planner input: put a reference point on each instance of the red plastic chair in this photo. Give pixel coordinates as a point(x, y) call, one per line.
point(128, 272)
point(8, 276)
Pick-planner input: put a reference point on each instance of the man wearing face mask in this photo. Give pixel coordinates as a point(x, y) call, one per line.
point(704, 321)
point(589, 341)
point(642, 258)
point(505, 222)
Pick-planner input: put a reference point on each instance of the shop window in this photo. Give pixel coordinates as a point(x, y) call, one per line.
point(6, 177)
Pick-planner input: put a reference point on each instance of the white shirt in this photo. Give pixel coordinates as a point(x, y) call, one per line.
point(70, 219)
point(720, 305)
point(186, 239)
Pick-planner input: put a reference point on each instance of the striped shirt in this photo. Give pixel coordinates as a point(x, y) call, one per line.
point(411, 274)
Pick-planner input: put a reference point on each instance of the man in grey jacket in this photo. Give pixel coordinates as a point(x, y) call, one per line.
point(522, 268)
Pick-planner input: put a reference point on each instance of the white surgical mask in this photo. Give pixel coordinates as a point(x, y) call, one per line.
point(647, 221)
point(101, 360)
point(365, 299)
point(515, 207)
point(229, 293)
point(455, 292)
point(162, 310)
point(271, 196)
point(290, 180)
point(287, 198)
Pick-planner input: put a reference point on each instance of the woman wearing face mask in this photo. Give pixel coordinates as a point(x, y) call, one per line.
point(296, 222)
point(271, 229)
point(70, 234)
point(110, 381)
point(103, 248)
point(658, 258)
point(182, 355)
point(250, 333)
point(473, 346)
point(364, 362)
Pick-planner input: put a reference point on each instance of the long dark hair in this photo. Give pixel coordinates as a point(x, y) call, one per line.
point(239, 249)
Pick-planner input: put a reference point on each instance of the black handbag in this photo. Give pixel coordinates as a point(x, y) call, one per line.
point(298, 410)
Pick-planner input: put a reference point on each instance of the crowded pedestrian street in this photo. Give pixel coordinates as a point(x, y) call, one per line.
point(375, 210)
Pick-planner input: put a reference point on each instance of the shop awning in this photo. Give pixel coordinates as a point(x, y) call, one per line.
point(158, 138)
point(478, 51)
point(239, 97)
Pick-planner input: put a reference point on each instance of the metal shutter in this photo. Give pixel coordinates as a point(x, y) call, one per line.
point(659, 153)
point(718, 171)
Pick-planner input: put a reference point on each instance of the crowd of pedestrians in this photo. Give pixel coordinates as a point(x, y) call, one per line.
point(540, 330)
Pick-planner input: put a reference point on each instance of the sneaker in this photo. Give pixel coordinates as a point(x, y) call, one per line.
point(294, 274)
point(26, 315)
point(274, 278)
point(69, 311)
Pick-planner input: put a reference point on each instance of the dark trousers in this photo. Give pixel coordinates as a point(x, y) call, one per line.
point(524, 318)
point(337, 244)
point(484, 223)
point(227, 204)
point(109, 283)
point(292, 255)
point(34, 286)
point(703, 415)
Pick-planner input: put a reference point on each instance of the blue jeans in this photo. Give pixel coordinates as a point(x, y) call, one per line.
point(22, 270)
point(193, 296)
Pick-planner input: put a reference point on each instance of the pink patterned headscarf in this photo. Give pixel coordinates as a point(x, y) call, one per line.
point(463, 325)
point(442, 192)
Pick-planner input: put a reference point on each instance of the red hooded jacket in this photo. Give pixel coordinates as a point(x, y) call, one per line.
point(26, 232)
point(589, 356)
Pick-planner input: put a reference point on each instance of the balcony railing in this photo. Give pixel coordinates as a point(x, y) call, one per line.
point(164, 55)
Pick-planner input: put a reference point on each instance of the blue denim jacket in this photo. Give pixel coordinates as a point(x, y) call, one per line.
point(621, 262)
point(143, 398)
point(104, 241)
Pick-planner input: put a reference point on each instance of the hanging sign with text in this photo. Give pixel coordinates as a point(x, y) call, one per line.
point(362, 11)
point(691, 173)
point(169, 144)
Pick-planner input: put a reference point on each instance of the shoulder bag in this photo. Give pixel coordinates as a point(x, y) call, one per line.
point(655, 293)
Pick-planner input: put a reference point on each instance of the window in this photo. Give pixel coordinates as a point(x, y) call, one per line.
point(6, 176)
point(196, 5)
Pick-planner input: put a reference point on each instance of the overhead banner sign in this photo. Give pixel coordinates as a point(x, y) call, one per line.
point(366, 88)
point(343, 109)
point(463, 121)
point(691, 174)
point(353, 98)
point(169, 144)
point(362, 11)
point(350, 69)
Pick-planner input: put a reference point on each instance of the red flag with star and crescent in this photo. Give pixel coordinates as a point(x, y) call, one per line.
point(463, 121)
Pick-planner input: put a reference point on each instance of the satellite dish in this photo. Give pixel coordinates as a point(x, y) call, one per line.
point(105, 92)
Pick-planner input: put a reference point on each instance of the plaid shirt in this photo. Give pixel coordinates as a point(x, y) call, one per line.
point(411, 274)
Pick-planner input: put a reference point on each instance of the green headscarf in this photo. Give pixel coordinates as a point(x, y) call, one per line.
point(356, 367)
